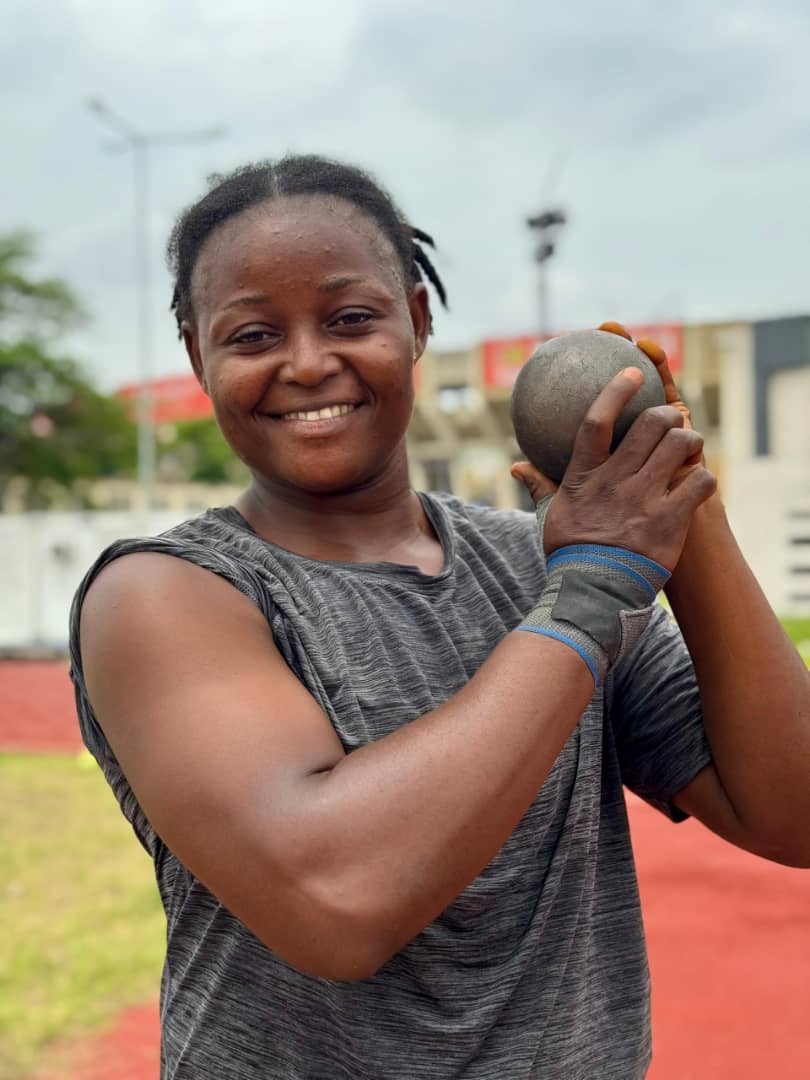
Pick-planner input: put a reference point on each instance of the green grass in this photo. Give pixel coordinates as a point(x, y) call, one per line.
point(82, 926)
point(799, 631)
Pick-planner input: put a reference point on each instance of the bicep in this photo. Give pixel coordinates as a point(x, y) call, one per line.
point(213, 732)
point(656, 716)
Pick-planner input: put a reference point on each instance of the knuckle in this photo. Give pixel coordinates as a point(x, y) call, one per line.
point(709, 481)
point(592, 425)
point(685, 439)
point(666, 416)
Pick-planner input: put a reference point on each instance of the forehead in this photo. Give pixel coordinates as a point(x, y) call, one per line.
point(293, 238)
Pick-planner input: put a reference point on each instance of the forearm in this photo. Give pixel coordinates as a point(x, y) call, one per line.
point(754, 687)
point(405, 823)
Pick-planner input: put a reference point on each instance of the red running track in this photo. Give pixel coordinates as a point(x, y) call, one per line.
point(37, 711)
point(728, 934)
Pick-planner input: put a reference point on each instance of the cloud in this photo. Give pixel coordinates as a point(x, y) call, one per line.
point(683, 131)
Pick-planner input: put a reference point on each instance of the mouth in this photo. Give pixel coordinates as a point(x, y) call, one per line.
point(319, 423)
point(312, 416)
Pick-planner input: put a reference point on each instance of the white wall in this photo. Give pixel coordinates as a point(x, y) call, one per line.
point(44, 556)
point(768, 498)
point(768, 505)
point(789, 414)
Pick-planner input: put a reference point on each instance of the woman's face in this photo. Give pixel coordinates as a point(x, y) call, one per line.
point(305, 335)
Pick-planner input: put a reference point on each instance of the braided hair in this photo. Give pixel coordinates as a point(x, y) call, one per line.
point(306, 174)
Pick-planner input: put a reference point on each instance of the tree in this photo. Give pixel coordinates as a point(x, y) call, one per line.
point(196, 450)
point(55, 427)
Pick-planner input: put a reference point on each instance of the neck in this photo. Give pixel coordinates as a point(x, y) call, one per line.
point(377, 522)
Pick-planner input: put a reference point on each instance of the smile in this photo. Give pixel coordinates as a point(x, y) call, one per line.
point(329, 412)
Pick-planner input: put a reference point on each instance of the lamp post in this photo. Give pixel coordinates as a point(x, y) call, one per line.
point(547, 224)
point(140, 143)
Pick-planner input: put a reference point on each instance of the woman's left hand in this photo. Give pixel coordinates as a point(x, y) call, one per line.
point(655, 353)
point(672, 395)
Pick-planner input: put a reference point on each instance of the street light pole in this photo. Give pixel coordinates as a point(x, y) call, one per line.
point(140, 144)
point(547, 224)
point(143, 327)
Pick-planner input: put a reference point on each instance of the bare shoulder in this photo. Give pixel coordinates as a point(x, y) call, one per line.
point(137, 583)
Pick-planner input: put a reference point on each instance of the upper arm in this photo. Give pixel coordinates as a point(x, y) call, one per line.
point(657, 718)
point(212, 730)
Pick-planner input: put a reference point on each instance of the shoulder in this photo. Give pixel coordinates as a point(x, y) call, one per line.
point(192, 561)
point(209, 541)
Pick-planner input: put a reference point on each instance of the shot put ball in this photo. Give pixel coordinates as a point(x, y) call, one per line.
point(558, 384)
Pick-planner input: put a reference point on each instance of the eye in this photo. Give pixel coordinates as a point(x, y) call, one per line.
point(251, 335)
point(352, 318)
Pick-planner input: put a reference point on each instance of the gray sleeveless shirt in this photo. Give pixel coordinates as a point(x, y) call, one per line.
point(538, 969)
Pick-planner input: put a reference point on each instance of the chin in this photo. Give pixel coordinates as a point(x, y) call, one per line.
point(321, 481)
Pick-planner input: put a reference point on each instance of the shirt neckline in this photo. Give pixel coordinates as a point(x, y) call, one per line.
point(436, 514)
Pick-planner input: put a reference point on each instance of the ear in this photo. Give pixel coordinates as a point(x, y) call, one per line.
point(193, 351)
point(420, 317)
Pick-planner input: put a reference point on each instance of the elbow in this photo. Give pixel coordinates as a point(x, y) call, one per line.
point(337, 934)
point(353, 969)
point(329, 952)
point(780, 848)
point(347, 959)
point(796, 858)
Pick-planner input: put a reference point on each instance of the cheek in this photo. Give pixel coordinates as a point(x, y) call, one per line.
point(236, 388)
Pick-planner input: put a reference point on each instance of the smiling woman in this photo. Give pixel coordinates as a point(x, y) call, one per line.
point(302, 332)
point(375, 739)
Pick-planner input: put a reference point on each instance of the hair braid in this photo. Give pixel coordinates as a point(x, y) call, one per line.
point(422, 259)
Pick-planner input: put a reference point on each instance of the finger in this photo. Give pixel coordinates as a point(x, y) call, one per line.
point(670, 456)
point(611, 327)
point(592, 442)
point(644, 435)
point(537, 483)
point(655, 353)
point(692, 487)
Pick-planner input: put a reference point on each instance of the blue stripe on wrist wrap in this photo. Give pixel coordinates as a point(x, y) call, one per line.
point(598, 600)
point(566, 640)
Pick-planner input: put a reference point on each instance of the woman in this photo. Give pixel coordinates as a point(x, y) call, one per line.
point(375, 740)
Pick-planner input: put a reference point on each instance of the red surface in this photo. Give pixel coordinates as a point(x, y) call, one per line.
point(130, 1050)
point(729, 944)
point(728, 934)
point(174, 397)
point(37, 710)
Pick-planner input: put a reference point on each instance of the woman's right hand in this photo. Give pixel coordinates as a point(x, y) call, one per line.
point(643, 495)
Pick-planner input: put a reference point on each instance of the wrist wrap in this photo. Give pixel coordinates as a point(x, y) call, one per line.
point(598, 600)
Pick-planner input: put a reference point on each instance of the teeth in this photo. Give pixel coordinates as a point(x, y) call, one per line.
point(328, 413)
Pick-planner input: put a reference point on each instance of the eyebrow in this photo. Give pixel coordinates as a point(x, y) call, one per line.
point(336, 284)
point(247, 301)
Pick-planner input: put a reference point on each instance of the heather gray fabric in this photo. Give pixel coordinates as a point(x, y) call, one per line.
point(538, 968)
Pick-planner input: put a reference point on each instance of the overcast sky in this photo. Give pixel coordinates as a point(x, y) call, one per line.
point(678, 133)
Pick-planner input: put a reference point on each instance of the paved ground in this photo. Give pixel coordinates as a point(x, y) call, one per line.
point(729, 935)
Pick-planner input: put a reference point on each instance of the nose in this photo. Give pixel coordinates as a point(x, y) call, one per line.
point(308, 359)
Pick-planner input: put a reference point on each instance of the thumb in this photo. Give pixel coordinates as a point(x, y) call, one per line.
point(537, 484)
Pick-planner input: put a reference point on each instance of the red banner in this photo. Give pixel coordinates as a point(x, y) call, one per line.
point(174, 397)
point(502, 358)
